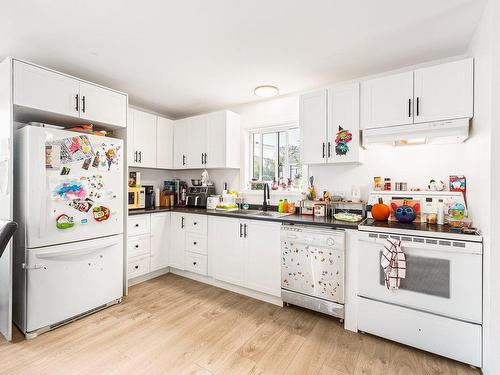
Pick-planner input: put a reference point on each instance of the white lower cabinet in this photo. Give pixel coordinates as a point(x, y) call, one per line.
point(177, 240)
point(246, 253)
point(160, 240)
point(138, 266)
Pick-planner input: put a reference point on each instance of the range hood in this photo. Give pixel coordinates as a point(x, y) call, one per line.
point(439, 132)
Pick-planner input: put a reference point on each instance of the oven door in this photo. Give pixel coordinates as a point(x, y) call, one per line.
point(442, 276)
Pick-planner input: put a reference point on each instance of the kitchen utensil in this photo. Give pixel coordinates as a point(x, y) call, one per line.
point(213, 201)
point(196, 181)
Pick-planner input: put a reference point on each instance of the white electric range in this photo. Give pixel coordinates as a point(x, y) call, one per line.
point(438, 307)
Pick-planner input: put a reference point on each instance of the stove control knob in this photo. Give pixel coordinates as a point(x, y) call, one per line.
point(330, 241)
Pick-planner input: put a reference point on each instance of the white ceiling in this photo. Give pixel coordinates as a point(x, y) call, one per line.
point(189, 56)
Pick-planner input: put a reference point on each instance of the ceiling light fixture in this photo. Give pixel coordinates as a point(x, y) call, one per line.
point(266, 91)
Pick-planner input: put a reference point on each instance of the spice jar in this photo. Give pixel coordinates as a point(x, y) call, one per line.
point(377, 183)
point(387, 184)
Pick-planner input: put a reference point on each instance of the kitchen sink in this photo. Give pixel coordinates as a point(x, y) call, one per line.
point(271, 214)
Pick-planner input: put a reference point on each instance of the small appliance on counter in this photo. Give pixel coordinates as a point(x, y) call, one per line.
point(197, 196)
point(136, 197)
point(149, 191)
point(213, 201)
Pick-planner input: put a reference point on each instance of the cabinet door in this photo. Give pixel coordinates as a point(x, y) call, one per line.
point(313, 127)
point(226, 250)
point(387, 101)
point(444, 92)
point(145, 138)
point(216, 136)
point(160, 240)
point(263, 257)
point(132, 156)
point(177, 240)
point(45, 90)
point(180, 143)
point(197, 144)
point(343, 124)
point(164, 143)
point(102, 105)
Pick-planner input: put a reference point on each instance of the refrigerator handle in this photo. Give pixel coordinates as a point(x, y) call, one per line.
point(75, 253)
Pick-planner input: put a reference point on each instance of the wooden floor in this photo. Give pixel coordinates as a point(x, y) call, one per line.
point(173, 325)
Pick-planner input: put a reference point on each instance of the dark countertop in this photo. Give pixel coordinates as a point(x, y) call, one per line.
point(290, 219)
point(433, 230)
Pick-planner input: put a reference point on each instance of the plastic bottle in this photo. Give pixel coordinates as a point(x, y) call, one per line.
point(280, 205)
point(285, 205)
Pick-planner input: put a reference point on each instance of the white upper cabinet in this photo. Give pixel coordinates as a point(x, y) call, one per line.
point(435, 93)
point(160, 240)
point(343, 124)
point(387, 101)
point(59, 94)
point(98, 104)
point(164, 143)
point(444, 91)
point(141, 136)
point(313, 119)
point(207, 141)
point(45, 90)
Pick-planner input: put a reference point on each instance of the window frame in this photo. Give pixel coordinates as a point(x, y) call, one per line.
point(269, 130)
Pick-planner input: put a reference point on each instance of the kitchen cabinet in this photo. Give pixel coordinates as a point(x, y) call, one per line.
point(141, 139)
point(207, 141)
point(45, 90)
point(160, 240)
point(248, 254)
point(164, 143)
point(444, 91)
point(177, 240)
point(387, 101)
point(329, 125)
point(435, 93)
point(313, 126)
point(98, 104)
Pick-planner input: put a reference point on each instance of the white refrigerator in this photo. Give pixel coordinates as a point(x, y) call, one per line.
point(68, 254)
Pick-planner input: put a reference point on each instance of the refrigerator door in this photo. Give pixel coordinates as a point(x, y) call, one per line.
point(73, 186)
point(67, 280)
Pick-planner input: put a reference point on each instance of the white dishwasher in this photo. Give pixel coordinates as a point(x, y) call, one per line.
point(312, 268)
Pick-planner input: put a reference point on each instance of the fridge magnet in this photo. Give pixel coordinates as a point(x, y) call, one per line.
point(82, 205)
point(84, 221)
point(72, 149)
point(101, 213)
point(65, 171)
point(64, 221)
point(435, 185)
point(86, 164)
point(457, 183)
point(341, 141)
point(111, 157)
point(95, 163)
point(52, 156)
point(71, 189)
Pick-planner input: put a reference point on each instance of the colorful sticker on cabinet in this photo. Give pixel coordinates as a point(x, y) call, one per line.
point(68, 190)
point(101, 213)
point(341, 141)
point(82, 205)
point(64, 221)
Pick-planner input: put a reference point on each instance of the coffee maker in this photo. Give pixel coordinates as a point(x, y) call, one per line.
point(197, 195)
point(150, 196)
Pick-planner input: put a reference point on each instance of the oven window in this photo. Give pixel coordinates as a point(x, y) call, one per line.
point(429, 276)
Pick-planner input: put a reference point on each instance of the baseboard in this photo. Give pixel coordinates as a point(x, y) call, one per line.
point(233, 288)
point(148, 276)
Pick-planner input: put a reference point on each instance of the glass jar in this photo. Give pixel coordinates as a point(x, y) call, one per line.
point(387, 184)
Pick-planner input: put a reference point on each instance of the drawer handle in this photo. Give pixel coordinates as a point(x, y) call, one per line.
point(136, 225)
point(195, 223)
point(194, 243)
point(194, 263)
point(136, 246)
point(136, 267)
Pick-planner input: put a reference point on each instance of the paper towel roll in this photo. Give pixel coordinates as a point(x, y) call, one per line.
point(157, 197)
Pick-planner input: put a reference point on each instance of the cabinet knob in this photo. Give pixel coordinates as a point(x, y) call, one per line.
point(194, 263)
point(136, 246)
point(137, 225)
point(136, 267)
point(195, 223)
point(194, 243)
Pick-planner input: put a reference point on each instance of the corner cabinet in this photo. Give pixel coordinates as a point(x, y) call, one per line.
point(207, 141)
point(248, 254)
point(329, 125)
point(435, 93)
point(62, 97)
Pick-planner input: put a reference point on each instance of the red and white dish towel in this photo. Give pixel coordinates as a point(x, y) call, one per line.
point(393, 262)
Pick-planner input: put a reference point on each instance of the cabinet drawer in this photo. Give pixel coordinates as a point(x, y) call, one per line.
point(138, 225)
point(196, 243)
point(138, 266)
point(436, 334)
point(138, 245)
point(196, 263)
point(196, 224)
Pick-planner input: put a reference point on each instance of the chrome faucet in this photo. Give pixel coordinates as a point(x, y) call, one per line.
point(266, 197)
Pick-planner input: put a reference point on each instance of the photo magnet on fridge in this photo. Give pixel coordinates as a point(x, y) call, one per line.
point(65, 171)
point(86, 164)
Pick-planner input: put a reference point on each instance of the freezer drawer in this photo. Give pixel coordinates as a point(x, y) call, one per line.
point(67, 280)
